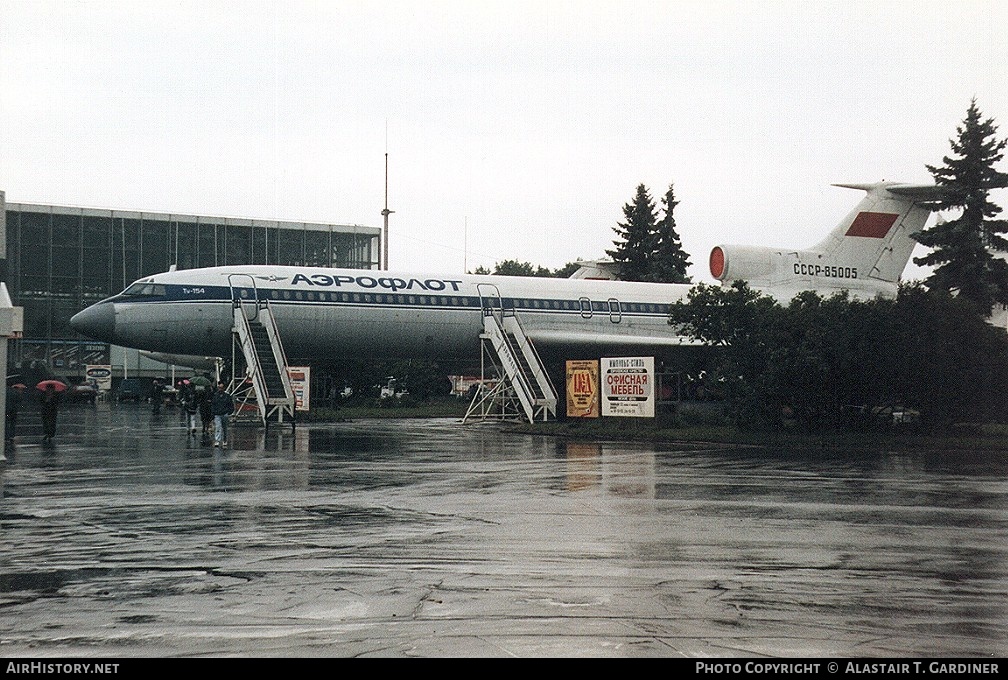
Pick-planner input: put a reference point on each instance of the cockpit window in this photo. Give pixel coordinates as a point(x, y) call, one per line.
point(145, 288)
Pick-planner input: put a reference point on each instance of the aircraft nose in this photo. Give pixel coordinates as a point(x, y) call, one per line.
point(96, 321)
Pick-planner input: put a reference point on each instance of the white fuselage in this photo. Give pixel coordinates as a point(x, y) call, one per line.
point(333, 313)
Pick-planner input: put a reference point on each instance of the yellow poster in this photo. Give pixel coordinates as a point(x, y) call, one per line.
point(583, 389)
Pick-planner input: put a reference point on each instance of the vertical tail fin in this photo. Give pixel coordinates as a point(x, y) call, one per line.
point(876, 237)
point(865, 254)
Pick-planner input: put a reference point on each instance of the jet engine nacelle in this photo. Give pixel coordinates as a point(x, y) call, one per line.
point(730, 263)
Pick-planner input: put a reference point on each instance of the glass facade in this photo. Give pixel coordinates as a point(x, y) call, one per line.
point(60, 260)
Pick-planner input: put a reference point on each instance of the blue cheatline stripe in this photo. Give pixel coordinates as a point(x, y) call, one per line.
point(198, 294)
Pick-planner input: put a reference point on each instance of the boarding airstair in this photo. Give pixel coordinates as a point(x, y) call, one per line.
point(521, 386)
point(264, 389)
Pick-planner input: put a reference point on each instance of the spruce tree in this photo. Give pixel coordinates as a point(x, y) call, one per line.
point(635, 244)
point(670, 260)
point(963, 247)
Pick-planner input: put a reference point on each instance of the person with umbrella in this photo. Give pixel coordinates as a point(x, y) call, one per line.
point(50, 401)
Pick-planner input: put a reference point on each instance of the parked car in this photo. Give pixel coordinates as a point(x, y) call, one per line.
point(131, 389)
point(85, 391)
point(170, 395)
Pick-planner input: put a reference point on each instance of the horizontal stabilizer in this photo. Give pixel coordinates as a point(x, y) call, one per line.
point(919, 192)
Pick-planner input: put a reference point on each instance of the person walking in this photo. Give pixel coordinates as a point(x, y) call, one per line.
point(50, 405)
point(203, 395)
point(222, 406)
point(190, 406)
point(157, 390)
point(14, 395)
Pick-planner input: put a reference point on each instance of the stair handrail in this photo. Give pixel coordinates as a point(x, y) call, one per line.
point(538, 360)
point(261, 303)
point(252, 366)
point(519, 381)
point(236, 294)
point(279, 354)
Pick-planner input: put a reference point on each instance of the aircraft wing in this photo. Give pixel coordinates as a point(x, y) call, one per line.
point(186, 360)
point(549, 337)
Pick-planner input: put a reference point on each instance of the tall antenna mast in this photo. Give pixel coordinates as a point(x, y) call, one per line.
point(385, 213)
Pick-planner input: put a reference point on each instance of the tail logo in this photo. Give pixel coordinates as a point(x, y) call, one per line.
point(872, 224)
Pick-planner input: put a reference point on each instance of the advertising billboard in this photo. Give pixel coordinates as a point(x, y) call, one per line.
point(583, 389)
point(300, 377)
point(628, 387)
point(101, 375)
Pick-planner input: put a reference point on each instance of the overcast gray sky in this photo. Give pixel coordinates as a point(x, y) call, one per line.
point(515, 130)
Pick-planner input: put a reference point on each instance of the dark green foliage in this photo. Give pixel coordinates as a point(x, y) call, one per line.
point(962, 247)
point(635, 238)
point(646, 248)
point(516, 268)
point(737, 320)
point(955, 365)
point(669, 262)
point(567, 270)
point(831, 363)
point(424, 380)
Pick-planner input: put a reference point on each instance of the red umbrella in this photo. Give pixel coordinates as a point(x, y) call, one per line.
point(56, 384)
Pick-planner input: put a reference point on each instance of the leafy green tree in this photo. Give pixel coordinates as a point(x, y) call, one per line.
point(635, 240)
point(962, 247)
point(739, 323)
point(516, 268)
point(670, 261)
point(423, 379)
point(819, 359)
point(953, 364)
point(567, 270)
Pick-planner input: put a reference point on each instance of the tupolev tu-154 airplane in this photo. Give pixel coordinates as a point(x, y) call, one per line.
point(324, 313)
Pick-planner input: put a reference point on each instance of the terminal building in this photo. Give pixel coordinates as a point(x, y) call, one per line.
point(62, 259)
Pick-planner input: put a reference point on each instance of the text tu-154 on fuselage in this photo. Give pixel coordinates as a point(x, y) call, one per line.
point(325, 314)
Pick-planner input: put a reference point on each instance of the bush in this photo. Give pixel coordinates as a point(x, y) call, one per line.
point(700, 414)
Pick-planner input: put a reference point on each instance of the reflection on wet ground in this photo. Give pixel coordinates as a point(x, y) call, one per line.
point(129, 537)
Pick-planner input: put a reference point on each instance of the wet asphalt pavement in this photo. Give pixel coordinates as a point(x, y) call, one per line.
point(395, 538)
